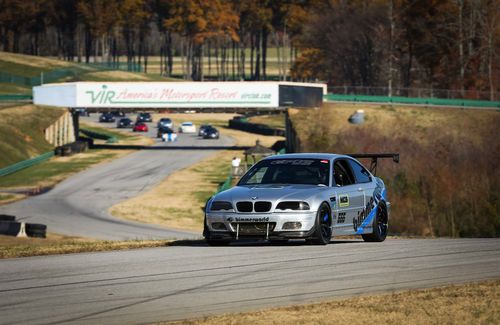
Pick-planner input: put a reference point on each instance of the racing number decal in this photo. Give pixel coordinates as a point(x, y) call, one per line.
point(343, 200)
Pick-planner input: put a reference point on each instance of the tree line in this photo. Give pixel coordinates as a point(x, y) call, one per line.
point(442, 44)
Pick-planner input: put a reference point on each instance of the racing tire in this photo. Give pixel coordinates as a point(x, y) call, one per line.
point(36, 230)
point(379, 226)
point(323, 231)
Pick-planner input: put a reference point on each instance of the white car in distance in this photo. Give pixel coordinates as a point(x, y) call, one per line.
point(187, 127)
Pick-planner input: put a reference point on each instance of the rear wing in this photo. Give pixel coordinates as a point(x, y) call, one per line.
point(374, 158)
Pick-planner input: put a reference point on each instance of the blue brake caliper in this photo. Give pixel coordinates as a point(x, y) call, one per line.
point(325, 218)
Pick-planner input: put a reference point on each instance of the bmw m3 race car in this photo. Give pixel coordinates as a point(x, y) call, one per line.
point(302, 196)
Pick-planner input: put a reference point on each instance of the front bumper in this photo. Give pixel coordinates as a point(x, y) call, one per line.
point(255, 225)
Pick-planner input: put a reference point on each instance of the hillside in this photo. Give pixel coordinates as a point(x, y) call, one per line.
point(26, 66)
point(448, 181)
point(21, 132)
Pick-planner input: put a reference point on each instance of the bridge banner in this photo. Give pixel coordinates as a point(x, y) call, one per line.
point(265, 94)
point(159, 94)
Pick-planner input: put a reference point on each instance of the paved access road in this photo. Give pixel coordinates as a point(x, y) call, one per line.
point(170, 283)
point(78, 206)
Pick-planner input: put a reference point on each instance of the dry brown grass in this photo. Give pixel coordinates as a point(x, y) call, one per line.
point(12, 247)
point(188, 189)
point(475, 303)
point(6, 198)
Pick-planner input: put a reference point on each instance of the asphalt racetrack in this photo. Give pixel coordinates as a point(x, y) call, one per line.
point(194, 280)
point(78, 206)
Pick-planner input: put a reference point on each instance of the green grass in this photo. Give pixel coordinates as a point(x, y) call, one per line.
point(21, 132)
point(108, 132)
point(276, 121)
point(8, 88)
point(54, 169)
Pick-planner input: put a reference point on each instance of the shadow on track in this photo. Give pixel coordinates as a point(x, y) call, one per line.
point(137, 147)
point(255, 243)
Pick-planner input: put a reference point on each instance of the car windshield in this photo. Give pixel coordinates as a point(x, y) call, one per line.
point(187, 124)
point(288, 171)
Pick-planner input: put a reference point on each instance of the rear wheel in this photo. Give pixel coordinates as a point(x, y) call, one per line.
point(380, 226)
point(323, 231)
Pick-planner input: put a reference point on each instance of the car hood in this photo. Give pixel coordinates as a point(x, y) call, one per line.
point(271, 192)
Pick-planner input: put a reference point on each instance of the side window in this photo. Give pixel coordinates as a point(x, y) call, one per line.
point(360, 172)
point(342, 173)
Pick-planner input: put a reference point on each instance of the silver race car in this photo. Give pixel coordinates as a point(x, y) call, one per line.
point(302, 196)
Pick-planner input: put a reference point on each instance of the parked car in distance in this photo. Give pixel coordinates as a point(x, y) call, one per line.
point(118, 113)
point(211, 133)
point(82, 111)
point(144, 117)
point(164, 130)
point(201, 131)
point(165, 122)
point(187, 127)
point(140, 127)
point(124, 122)
point(106, 117)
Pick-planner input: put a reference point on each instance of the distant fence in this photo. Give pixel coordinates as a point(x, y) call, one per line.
point(15, 98)
point(58, 74)
point(414, 101)
point(413, 92)
point(25, 164)
point(110, 65)
point(45, 77)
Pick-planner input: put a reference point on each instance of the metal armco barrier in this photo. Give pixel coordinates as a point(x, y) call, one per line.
point(97, 135)
point(238, 124)
point(25, 164)
point(15, 97)
point(414, 101)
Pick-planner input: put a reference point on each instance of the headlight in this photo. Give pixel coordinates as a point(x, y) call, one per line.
point(293, 205)
point(221, 205)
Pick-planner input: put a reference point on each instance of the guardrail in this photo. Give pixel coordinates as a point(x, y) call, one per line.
point(15, 97)
point(226, 185)
point(97, 135)
point(25, 164)
point(243, 125)
point(414, 101)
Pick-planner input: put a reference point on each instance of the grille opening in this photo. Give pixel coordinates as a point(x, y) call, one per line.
point(262, 206)
point(254, 228)
point(244, 206)
point(221, 205)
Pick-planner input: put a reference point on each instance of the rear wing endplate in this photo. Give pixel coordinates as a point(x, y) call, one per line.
point(374, 158)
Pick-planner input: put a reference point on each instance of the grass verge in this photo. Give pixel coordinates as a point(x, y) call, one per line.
point(21, 132)
point(194, 184)
point(474, 303)
point(13, 247)
point(276, 121)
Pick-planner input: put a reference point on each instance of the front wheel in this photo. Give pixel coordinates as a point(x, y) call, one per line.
point(323, 230)
point(380, 225)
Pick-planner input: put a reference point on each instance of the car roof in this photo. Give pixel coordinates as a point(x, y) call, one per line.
point(328, 156)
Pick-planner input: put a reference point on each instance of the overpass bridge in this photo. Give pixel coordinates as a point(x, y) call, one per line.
point(243, 97)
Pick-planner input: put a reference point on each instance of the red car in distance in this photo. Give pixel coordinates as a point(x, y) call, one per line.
point(140, 127)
